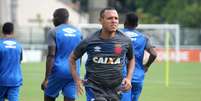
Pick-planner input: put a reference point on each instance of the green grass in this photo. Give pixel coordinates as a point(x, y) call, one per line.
point(184, 84)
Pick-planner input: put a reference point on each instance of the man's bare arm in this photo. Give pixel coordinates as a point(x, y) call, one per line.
point(49, 65)
point(152, 57)
point(76, 78)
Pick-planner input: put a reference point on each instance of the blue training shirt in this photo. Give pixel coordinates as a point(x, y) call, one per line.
point(65, 38)
point(10, 61)
point(140, 43)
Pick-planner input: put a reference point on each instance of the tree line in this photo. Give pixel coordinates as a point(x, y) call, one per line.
point(184, 12)
point(187, 13)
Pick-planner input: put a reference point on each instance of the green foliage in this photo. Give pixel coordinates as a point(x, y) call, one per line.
point(151, 6)
point(184, 12)
point(147, 17)
point(171, 11)
point(190, 16)
point(184, 83)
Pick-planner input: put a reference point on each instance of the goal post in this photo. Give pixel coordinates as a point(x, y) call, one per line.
point(172, 29)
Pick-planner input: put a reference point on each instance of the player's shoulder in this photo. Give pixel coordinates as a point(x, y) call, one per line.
point(144, 35)
point(121, 32)
point(52, 30)
point(122, 35)
point(128, 32)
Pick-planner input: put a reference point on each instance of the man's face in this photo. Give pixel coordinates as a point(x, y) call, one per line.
point(110, 20)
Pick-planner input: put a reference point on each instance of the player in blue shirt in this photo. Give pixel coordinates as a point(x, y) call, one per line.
point(61, 41)
point(140, 44)
point(107, 50)
point(10, 61)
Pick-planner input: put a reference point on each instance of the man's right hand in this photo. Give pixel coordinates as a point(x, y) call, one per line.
point(126, 85)
point(44, 85)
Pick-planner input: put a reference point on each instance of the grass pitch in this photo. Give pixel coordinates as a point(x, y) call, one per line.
point(184, 83)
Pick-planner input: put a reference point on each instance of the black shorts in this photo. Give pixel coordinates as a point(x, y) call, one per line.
point(96, 92)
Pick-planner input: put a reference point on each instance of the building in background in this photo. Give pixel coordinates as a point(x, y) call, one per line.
point(39, 12)
point(32, 17)
point(35, 12)
point(95, 7)
point(5, 11)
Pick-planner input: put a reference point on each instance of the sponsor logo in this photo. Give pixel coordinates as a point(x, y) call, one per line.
point(69, 32)
point(106, 60)
point(9, 44)
point(69, 35)
point(97, 49)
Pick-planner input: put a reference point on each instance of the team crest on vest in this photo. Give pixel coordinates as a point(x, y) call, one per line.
point(117, 49)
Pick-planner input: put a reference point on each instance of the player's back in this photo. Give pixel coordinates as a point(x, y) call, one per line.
point(66, 37)
point(10, 60)
point(139, 44)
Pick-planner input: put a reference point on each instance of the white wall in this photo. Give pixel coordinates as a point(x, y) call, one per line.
point(32, 56)
point(5, 11)
point(28, 9)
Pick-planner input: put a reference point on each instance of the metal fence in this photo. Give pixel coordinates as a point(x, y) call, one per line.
point(36, 37)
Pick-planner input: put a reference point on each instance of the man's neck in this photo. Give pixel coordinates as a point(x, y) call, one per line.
point(107, 34)
point(8, 36)
point(130, 27)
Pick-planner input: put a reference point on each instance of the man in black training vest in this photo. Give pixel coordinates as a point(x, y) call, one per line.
point(107, 51)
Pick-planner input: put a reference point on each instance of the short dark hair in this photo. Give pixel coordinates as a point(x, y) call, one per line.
point(60, 16)
point(8, 28)
point(104, 9)
point(131, 19)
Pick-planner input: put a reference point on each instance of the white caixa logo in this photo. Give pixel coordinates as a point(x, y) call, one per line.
point(106, 60)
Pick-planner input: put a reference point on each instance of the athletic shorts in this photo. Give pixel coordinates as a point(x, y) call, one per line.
point(133, 94)
point(10, 93)
point(100, 93)
point(56, 84)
